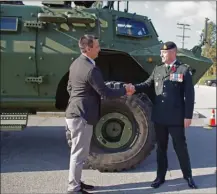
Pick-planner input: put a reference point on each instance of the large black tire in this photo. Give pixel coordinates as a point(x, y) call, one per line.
point(137, 109)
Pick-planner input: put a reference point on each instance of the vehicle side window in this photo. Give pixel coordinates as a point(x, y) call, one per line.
point(130, 27)
point(9, 24)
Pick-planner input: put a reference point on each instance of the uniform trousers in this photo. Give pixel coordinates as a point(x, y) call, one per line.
point(180, 146)
point(81, 134)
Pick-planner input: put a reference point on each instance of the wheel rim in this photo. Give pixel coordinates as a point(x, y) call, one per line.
point(113, 131)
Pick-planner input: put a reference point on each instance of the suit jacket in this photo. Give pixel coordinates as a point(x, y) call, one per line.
point(174, 91)
point(85, 87)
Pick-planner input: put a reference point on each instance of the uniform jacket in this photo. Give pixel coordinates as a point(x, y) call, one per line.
point(174, 91)
point(85, 87)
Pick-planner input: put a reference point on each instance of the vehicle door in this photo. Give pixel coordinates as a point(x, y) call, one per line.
point(18, 43)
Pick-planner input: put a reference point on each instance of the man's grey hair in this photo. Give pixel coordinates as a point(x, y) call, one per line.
point(86, 41)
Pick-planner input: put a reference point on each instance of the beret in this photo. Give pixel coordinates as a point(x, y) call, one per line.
point(168, 45)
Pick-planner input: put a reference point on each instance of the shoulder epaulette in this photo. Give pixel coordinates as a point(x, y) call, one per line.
point(186, 65)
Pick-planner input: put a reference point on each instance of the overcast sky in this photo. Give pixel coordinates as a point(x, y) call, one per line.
point(166, 14)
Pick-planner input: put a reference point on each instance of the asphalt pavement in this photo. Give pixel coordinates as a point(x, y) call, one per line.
point(36, 160)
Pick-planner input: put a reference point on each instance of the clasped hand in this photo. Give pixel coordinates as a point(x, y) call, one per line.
point(130, 89)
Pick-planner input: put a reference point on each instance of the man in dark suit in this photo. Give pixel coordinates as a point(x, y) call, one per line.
point(85, 86)
point(172, 110)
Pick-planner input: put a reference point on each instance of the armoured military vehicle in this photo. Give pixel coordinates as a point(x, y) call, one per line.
point(38, 44)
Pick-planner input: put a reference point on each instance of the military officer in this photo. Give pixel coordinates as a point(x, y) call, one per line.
point(172, 110)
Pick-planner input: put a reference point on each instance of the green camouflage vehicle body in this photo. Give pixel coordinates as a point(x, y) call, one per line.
point(39, 43)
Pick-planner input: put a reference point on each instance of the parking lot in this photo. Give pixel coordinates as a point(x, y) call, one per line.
point(36, 160)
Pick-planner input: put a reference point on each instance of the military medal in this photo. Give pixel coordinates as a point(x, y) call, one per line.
point(156, 84)
point(176, 77)
point(180, 77)
point(172, 77)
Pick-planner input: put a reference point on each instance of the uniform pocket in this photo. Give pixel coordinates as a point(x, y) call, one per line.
point(176, 84)
point(156, 78)
point(156, 81)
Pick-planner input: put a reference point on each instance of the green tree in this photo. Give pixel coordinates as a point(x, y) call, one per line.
point(209, 49)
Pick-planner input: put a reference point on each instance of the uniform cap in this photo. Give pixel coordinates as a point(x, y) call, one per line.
point(168, 45)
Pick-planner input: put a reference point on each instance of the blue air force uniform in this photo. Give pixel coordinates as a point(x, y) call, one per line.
point(173, 103)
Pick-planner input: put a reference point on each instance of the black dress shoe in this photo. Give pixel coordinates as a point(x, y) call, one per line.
point(191, 182)
point(157, 182)
point(85, 186)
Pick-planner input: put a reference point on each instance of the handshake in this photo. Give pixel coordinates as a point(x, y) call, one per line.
point(130, 89)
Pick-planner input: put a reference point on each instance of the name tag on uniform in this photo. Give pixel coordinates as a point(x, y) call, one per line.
point(177, 77)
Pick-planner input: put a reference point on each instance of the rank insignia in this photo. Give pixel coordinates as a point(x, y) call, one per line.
point(176, 77)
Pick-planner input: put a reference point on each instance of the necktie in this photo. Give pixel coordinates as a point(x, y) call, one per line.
point(167, 67)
